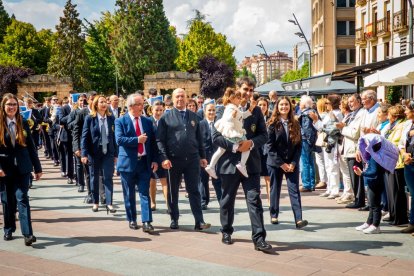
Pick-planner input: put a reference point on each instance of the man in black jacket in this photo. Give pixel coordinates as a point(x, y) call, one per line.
point(231, 177)
point(180, 141)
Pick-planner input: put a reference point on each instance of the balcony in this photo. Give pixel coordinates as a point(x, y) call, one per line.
point(400, 21)
point(360, 37)
point(361, 3)
point(383, 27)
point(371, 33)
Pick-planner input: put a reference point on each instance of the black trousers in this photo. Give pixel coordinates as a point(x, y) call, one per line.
point(204, 184)
point(190, 168)
point(397, 200)
point(251, 186)
point(374, 198)
point(46, 142)
point(54, 154)
point(66, 158)
point(357, 182)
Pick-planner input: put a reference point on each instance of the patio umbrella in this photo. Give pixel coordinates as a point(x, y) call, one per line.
point(401, 73)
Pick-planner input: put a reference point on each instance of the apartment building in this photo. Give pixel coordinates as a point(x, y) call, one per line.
point(333, 35)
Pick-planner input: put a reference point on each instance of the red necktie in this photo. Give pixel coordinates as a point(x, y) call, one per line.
point(138, 132)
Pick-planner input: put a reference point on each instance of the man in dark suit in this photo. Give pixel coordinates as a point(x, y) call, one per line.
point(65, 138)
point(135, 136)
point(45, 138)
point(231, 178)
point(180, 141)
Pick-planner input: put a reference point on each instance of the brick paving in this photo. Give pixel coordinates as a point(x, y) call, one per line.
point(73, 240)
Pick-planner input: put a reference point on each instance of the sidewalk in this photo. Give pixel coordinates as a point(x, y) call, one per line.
point(74, 240)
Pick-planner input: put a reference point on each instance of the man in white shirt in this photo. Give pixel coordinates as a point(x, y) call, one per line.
point(114, 109)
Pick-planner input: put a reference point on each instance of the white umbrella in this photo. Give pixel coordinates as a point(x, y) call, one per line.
point(379, 78)
point(401, 73)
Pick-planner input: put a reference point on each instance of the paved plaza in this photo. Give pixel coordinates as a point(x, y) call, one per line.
point(72, 240)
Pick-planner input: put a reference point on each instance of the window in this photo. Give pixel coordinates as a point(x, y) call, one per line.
point(351, 3)
point(341, 28)
point(374, 53)
point(363, 56)
point(387, 50)
point(345, 56)
point(341, 3)
point(351, 27)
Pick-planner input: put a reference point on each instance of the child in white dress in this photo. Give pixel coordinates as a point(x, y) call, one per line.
point(231, 127)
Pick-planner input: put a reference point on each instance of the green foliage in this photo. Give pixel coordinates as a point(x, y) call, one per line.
point(142, 42)
point(23, 47)
point(293, 75)
point(394, 94)
point(68, 54)
point(101, 65)
point(202, 41)
point(4, 21)
point(245, 73)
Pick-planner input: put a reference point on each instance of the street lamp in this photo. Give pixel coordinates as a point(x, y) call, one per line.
point(301, 34)
point(267, 57)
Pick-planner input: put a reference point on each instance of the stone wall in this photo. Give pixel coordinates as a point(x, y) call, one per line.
point(172, 80)
point(45, 83)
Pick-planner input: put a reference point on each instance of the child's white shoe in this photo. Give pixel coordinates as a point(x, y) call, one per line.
point(372, 230)
point(242, 169)
point(362, 227)
point(211, 171)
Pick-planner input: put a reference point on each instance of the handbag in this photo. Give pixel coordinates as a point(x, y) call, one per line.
point(320, 141)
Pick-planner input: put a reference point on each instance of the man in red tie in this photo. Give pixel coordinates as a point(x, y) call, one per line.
point(135, 136)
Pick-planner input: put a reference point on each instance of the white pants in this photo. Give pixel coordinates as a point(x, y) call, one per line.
point(220, 151)
point(346, 177)
point(332, 170)
point(321, 166)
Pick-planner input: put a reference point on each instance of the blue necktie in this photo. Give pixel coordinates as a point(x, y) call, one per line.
point(12, 133)
point(104, 137)
point(182, 115)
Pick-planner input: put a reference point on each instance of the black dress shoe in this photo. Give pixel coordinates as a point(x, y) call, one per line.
point(353, 206)
point(133, 225)
point(302, 223)
point(81, 189)
point(203, 207)
point(174, 224)
point(226, 239)
point(262, 246)
point(147, 227)
point(201, 226)
point(70, 181)
point(8, 237)
point(28, 240)
point(365, 208)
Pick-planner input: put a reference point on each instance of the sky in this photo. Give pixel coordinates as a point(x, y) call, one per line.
point(244, 22)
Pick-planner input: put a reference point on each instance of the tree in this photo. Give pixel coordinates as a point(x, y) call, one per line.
point(68, 54)
point(101, 66)
point(10, 76)
point(22, 47)
point(202, 41)
point(142, 42)
point(216, 76)
point(293, 75)
point(245, 73)
point(4, 21)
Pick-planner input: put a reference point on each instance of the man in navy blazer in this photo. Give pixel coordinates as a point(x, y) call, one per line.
point(135, 136)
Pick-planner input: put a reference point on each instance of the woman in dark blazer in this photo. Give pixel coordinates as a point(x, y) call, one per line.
point(18, 158)
point(284, 148)
point(98, 148)
point(263, 103)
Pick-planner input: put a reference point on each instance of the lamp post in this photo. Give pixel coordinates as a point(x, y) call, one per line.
point(301, 34)
point(267, 57)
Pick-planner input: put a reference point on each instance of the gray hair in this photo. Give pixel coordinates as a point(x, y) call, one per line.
point(131, 99)
point(178, 90)
point(370, 94)
point(306, 101)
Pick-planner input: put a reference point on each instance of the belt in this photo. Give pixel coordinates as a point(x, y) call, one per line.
point(141, 157)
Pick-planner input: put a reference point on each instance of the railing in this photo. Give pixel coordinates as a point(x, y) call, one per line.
point(400, 21)
point(371, 31)
point(383, 27)
point(360, 36)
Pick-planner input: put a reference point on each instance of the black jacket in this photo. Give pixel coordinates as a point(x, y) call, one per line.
point(78, 127)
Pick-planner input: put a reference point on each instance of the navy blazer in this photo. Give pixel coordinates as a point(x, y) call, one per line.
point(91, 134)
point(256, 131)
point(64, 134)
point(127, 140)
point(77, 127)
point(280, 148)
point(26, 157)
point(208, 142)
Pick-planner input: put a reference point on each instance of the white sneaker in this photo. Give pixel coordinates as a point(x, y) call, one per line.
point(242, 169)
point(333, 196)
point(362, 227)
point(211, 171)
point(325, 194)
point(386, 217)
point(372, 230)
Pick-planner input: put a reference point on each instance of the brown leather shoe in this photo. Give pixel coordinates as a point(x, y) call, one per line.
point(320, 185)
point(408, 229)
point(304, 190)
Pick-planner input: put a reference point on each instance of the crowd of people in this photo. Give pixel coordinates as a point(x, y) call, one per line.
point(351, 144)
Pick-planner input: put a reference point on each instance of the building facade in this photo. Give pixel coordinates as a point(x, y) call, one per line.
point(381, 31)
point(333, 35)
point(267, 68)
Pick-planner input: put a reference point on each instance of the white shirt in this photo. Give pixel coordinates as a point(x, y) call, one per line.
point(370, 118)
point(285, 126)
point(140, 127)
point(8, 123)
point(115, 112)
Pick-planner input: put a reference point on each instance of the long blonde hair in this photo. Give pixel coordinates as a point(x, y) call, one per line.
point(20, 139)
point(94, 110)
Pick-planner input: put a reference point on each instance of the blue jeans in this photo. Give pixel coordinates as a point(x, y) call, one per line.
point(307, 163)
point(409, 180)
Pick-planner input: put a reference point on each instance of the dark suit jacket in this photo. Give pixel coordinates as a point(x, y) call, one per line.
point(127, 141)
point(208, 142)
point(77, 128)
point(179, 139)
point(91, 134)
point(256, 131)
point(280, 148)
point(26, 157)
point(65, 134)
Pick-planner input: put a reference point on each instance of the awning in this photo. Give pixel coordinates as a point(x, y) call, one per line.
point(275, 85)
point(401, 73)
